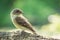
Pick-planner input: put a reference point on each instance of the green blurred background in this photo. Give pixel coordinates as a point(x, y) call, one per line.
point(36, 11)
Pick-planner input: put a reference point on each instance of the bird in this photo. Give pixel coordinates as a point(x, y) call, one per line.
point(20, 21)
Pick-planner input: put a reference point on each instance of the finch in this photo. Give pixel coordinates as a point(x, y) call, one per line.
point(20, 21)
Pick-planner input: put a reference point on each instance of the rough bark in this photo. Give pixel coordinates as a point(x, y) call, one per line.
point(22, 35)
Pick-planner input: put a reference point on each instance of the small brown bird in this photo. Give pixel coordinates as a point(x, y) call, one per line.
point(20, 21)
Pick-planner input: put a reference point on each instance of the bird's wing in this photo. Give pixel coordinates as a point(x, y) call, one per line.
point(22, 22)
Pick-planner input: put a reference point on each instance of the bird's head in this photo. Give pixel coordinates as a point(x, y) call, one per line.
point(16, 12)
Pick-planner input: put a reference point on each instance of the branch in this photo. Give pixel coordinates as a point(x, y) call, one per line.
point(22, 35)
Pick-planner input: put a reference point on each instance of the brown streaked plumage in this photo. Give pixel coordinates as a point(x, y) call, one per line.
point(20, 21)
